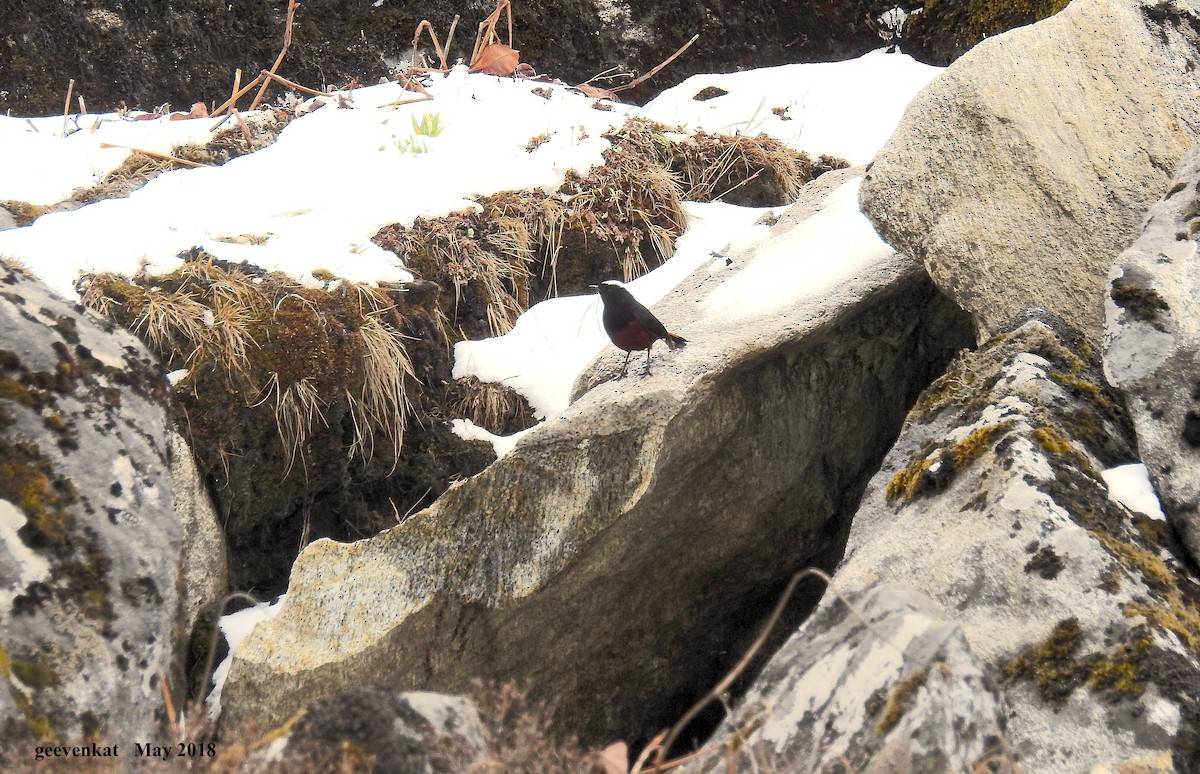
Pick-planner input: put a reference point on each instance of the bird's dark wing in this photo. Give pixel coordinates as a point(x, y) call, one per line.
point(649, 321)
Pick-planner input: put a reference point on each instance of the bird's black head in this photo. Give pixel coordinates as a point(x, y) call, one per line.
point(611, 290)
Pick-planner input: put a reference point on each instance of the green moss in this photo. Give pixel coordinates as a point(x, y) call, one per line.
point(1056, 667)
point(918, 475)
point(1153, 570)
point(1076, 384)
point(903, 485)
point(1052, 441)
point(1120, 671)
point(15, 391)
point(1173, 614)
point(968, 22)
point(959, 382)
point(1141, 303)
point(976, 443)
point(42, 728)
point(898, 701)
point(1086, 425)
point(915, 477)
point(1051, 664)
point(27, 480)
point(36, 674)
point(1170, 607)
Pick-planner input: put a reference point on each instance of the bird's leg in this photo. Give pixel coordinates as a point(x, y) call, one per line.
point(647, 371)
point(624, 366)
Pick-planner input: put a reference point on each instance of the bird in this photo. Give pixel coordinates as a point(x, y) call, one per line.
point(630, 325)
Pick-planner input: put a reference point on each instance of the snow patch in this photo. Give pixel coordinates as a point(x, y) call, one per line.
point(845, 109)
point(833, 246)
point(236, 627)
point(469, 431)
point(1130, 486)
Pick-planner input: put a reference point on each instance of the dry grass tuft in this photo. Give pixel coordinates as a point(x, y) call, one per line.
point(483, 262)
point(134, 172)
point(495, 407)
point(23, 213)
point(266, 340)
point(519, 735)
point(741, 169)
point(620, 219)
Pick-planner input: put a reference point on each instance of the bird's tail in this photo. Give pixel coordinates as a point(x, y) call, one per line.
point(675, 342)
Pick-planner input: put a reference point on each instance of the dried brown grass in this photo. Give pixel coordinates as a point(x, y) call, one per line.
point(214, 320)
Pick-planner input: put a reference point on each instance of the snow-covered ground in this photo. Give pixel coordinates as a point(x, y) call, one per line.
point(315, 198)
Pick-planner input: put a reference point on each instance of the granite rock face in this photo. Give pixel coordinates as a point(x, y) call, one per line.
point(1153, 349)
point(619, 558)
point(1080, 614)
point(89, 561)
point(1021, 172)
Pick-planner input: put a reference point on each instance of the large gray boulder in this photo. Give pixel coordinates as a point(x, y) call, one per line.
point(1020, 173)
point(89, 556)
point(1081, 614)
point(620, 556)
point(1153, 351)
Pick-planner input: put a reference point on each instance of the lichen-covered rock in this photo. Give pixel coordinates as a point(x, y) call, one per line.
point(881, 681)
point(89, 557)
point(414, 733)
point(1153, 352)
point(618, 558)
point(1081, 613)
point(1023, 170)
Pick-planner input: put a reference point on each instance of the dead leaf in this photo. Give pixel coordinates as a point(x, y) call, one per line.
point(614, 759)
point(595, 92)
point(199, 110)
point(496, 59)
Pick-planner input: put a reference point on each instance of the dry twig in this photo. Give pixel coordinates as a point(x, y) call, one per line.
point(638, 81)
point(67, 106)
point(487, 29)
point(287, 42)
point(155, 155)
point(229, 103)
point(437, 47)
